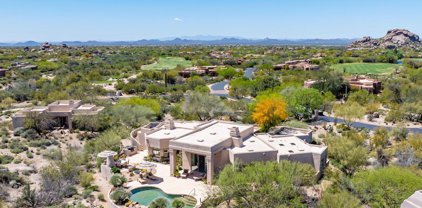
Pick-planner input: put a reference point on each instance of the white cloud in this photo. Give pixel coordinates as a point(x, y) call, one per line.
point(177, 19)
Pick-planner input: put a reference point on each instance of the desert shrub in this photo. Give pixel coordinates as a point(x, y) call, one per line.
point(17, 147)
point(120, 196)
point(43, 143)
point(5, 159)
point(29, 154)
point(296, 124)
point(70, 191)
point(115, 169)
point(30, 134)
point(18, 131)
point(54, 154)
point(85, 179)
point(101, 197)
point(86, 193)
point(117, 180)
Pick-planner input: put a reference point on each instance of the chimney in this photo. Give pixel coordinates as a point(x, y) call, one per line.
point(235, 134)
point(169, 124)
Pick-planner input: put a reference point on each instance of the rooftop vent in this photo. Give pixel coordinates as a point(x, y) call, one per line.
point(166, 133)
point(250, 150)
point(292, 143)
point(281, 144)
point(271, 140)
point(252, 140)
point(200, 140)
point(291, 151)
point(213, 133)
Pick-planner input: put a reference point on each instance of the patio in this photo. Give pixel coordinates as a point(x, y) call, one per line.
point(164, 181)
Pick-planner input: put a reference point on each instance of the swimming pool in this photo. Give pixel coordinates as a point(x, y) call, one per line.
point(146, 195)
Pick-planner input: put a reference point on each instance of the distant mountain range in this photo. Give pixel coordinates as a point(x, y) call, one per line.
point(203, 40)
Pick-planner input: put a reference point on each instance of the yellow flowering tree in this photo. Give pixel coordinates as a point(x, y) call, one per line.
point(269, 112)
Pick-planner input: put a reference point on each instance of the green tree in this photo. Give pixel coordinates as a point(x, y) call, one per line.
point(152, 104)
point(346, 153)
point(349, 112)
point(227, 72)
point(131, 116)
point(302, 102)
point(159, 203)
point(177, 203)
point(108, 140)
point(204, 107)
point(380, 138)
point(117, 180)
point(362, 97)
point(120, 196)
point(267, 184)
point(338, 199)
point(386, 187)
point(86, 179)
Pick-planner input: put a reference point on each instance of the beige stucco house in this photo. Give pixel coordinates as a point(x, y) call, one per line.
point(207, 147)
point(62, 111)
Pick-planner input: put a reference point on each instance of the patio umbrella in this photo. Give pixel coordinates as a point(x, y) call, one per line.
point(147, 165)
point(109, 156)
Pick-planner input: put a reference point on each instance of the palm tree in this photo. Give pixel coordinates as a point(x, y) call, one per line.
point(159, 203)
point(177, 203)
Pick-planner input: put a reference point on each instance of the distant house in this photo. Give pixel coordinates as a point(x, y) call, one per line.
point(61, 111)
point(207, 147)
point(297, 64)
point(199, 70)
point(363, 83)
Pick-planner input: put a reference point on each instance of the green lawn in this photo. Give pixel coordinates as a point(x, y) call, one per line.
point(167, 63)
point(366, 68)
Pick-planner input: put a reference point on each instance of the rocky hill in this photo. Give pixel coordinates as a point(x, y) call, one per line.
point(396, 38)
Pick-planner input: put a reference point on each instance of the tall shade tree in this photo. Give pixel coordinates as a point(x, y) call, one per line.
point(386, 187)
point(131, 116)
point(338, 199)
point(302, 102)
point(269, 184)
point(349, 112)
point(380, 138)
point(204, 107)
point(346, 153)
point(269, 112)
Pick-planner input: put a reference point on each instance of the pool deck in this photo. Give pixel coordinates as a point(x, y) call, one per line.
point(170, 184)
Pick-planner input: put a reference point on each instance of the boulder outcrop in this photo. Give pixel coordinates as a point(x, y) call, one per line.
point(395, 38)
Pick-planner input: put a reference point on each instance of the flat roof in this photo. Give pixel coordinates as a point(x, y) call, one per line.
point(252, 144)
point(86, 107)
point(212, 134)
point(188, 124)
point(64, 102)
point(290, 144)
point(169, 134)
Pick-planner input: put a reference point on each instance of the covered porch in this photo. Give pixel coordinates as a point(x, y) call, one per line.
point(198, 165)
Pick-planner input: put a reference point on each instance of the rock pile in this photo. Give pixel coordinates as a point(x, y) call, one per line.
point(395, 38)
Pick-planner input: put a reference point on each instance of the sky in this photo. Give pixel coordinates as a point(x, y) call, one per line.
point(113, 20)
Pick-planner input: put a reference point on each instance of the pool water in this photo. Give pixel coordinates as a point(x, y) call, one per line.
point(146, 195)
